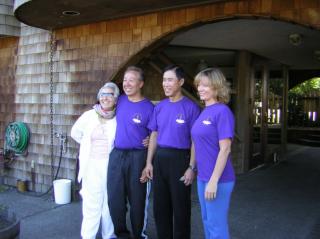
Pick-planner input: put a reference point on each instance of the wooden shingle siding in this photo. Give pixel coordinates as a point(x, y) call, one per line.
point(8, 49)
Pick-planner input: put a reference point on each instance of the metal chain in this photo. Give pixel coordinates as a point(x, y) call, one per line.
point(51, 54)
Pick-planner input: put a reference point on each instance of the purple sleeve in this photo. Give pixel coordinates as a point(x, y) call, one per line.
point(119, 101)
point(225, 124)
point(152, 125)
point(150, 118)
point(195, 114)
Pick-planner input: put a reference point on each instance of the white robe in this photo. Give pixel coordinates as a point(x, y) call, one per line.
point(93, 174)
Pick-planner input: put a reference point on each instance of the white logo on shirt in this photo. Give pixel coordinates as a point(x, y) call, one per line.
point(137, 119)
point(207, 121)
point(180, 119)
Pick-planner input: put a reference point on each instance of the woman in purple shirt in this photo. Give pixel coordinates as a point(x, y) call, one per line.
point(212, 135)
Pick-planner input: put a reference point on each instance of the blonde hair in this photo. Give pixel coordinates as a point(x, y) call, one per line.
point(217, 81)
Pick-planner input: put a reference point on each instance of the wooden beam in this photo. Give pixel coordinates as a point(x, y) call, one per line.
point(243, 111)
point(284, 112)
point(264, 113)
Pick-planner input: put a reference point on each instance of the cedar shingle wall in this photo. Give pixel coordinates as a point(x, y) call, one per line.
point(32, 107)
point(87, 56)
point(8, 56)
point(8, 49)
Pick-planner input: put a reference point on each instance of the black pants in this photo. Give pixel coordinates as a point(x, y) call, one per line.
point(172, 199)
point(124, 172)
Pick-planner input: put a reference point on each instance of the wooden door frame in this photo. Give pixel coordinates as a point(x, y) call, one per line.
point(259, 63)
point(264, 65)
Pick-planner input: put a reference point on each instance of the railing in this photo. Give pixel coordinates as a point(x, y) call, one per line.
point(274, 110)
point(304, 111)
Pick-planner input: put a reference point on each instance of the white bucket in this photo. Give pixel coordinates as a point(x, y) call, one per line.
point(62, 191)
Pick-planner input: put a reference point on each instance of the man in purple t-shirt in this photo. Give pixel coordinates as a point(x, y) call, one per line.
point(173, 168)
point(128, 157)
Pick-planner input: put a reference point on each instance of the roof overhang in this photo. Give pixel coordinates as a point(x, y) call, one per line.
point(48, 14)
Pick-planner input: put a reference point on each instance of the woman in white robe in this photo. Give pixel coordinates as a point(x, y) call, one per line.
point(95, 132)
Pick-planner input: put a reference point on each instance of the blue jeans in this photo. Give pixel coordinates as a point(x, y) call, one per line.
point(215, 212)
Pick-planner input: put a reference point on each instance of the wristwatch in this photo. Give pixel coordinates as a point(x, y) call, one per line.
point(193, 168)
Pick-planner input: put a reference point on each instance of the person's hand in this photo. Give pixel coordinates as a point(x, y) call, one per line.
point(147, 173)
point(145, 141)
point(211, 190)
point(143, 178)
point(188, 177)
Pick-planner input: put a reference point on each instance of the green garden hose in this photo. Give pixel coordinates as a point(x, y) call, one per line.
point(17, 137)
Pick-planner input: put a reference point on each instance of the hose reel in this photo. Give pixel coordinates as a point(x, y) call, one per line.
point(17, 138)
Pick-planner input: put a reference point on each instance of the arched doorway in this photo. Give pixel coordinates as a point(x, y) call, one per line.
point(257, 55)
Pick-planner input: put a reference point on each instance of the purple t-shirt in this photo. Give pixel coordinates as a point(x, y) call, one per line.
point(216, 122)
point(132, 121)
point(173, 122)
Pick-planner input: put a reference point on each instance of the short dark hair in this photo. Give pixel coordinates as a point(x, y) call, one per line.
point(177, 70)
point(136, 69)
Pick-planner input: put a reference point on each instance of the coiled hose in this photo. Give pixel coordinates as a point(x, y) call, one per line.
point(17, 137)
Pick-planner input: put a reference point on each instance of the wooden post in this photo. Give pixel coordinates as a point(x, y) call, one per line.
point(284, 115)
point(264, 113)
point(243, 108)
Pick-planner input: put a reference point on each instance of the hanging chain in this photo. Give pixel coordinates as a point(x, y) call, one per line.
point(51, 54)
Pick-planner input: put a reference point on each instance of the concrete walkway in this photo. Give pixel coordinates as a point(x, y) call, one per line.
point(282, 201)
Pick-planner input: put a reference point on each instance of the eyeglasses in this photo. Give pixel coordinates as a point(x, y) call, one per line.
point(105, 94)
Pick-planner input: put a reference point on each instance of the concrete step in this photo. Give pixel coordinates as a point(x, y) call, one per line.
point(309, 142)
point(313, 137)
